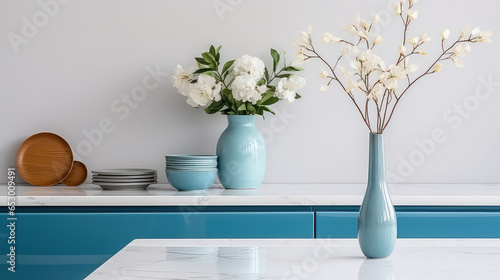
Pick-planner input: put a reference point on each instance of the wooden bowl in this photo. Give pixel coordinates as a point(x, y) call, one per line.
point(77, 175)
point(44, 159)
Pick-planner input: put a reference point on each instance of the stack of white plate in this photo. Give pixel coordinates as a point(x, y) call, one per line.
point(119, 179)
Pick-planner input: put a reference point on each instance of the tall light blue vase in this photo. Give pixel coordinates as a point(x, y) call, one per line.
point(377, 225)
point(241, 152)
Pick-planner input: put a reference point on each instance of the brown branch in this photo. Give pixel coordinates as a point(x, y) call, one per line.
point(332, 69)
point(418, 78)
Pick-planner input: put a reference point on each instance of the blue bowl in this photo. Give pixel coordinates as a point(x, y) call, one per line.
point(178, 168)
point(191, 157)
point(213, 164)
point(191, 180)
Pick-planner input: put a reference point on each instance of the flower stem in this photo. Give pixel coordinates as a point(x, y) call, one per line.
point(418, 78)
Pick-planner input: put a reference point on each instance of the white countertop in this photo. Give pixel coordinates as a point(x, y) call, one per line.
point(412, 259)
point(268, 194)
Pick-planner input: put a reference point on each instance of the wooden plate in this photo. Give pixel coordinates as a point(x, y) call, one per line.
point(77, 175)
point(44, 159)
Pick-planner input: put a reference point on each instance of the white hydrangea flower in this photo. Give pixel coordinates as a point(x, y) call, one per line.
point(287, 87)
point(191, 102)
point(244, 88)
point(182, 78)
point(204, 91)
point(250, 65)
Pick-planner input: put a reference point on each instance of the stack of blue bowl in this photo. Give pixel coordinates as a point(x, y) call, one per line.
point(191, 172)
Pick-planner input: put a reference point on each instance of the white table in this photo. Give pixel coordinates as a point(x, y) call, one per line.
point(419, 259)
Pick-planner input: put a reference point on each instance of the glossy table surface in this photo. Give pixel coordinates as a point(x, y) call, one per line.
point(267, 194)
point(412, 259)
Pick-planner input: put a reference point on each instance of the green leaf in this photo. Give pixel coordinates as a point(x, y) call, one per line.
point(201, 60)
point(270, 101)
point(283, 76)
point(227, 65)
point(297, 96)
point(218, 49)
point(261, 82)
point(276, 58)
point(265, 97)
point(251, 108)
point(202, 70)
point(212, 50)
point(267, 109)
point(292, 68)
point(260, 111)
point(229, 95)
point(208, 57)
point(266, 74)
point(243, 107)
point(212, 74)
point(214, 107)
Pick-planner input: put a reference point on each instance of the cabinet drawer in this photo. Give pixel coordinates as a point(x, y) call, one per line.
point(449, 224)
point(336, 224)
point(72, 245)
point(106, 233)
point(331, 224)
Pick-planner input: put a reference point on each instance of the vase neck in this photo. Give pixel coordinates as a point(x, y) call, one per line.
point(241, 120)
point(376, 167)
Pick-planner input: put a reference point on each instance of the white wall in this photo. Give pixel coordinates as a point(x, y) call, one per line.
point(66, 77)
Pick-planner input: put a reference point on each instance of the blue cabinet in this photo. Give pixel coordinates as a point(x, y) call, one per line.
point(418, 222)
point(72, 242)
